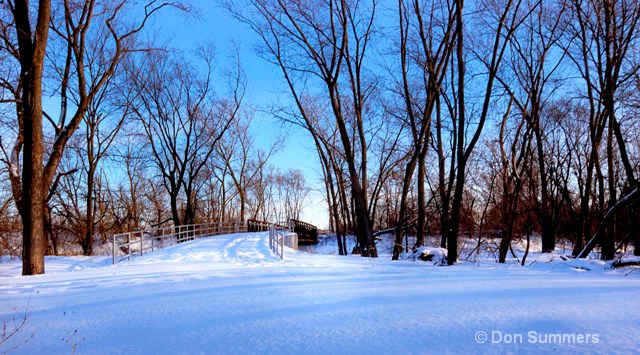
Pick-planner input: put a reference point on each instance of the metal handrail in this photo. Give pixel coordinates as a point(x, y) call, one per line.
point(141, 241)
point(278, 238)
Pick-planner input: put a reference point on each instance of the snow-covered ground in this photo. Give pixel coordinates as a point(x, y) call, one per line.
point(230, 294)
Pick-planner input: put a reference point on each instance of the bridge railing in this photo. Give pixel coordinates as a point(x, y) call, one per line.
point(307, 233)
point(279, 237)
point(254, 225)
point(125, 245)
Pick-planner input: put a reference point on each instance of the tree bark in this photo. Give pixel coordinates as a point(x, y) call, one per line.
point(87, 242)
point(421, 197)
point(452, 233)
point(361, 211)
point(32, 48)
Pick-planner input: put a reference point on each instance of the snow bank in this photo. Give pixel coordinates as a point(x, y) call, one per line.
point(230, 294)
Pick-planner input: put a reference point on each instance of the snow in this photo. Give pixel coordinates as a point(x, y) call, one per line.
point(230, 294)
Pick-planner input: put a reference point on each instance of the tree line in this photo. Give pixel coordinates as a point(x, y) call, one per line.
point(491, 117)
point(454, 118)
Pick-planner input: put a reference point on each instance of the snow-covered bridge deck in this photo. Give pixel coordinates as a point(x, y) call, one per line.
point(128, 244)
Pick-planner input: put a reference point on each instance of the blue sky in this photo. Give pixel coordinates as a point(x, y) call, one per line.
point(215, 25)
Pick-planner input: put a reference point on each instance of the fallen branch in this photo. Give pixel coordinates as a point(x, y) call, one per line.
point(621, 264)
point(627, 200)
point(14, 326)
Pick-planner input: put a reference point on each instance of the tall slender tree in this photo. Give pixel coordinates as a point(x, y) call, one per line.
point(329, 41)
point(501, 20)
point(424, 54)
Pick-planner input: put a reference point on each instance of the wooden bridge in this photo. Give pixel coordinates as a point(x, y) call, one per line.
point(307, 233)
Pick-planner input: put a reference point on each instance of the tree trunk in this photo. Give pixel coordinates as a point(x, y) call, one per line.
point(608, 242)
point(52, 236)
point(87, 245)
point(406, 185)
point(175, 214)
point(361, 211)
point(242, 197)
point(421, 197)
point(443, 190)
point(584, 217)
point(546, 225)
point(511, 213)
point(189, 216)
point(452, 233)
point(32, 56)
point(635, 230)
point(363, 222)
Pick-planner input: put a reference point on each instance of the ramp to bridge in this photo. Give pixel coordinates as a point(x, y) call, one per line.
point(137, 243)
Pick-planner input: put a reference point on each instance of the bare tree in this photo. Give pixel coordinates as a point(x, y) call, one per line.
point(425, 55)
point(241, 160)
point(533, 64)
point(220, 193)
point(514, 166)
point(293, 191)
point(29, 191)
point(309, 40)
point(183, 124)
point(128, 196)
point(72, 24)
point(500, 21)
point(102, 122)
point(603, 34)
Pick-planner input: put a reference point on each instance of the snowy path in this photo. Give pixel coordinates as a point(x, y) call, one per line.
point(230, 294)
